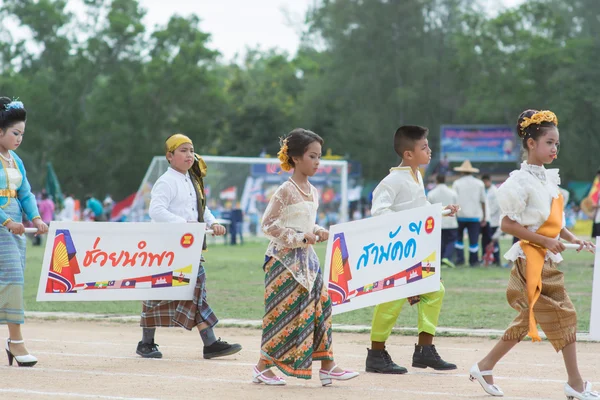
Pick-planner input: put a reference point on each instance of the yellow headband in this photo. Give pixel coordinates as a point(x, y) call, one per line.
point(538, 118)
point(175, 141)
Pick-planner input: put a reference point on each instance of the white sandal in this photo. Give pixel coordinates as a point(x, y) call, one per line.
point(587, 393)
point(259, 377)
point(327, 377)
point(477, 375)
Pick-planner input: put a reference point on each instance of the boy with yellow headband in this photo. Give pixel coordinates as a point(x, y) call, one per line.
point(178, 196)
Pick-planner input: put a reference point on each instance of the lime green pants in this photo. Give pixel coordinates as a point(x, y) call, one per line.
point(386, 314)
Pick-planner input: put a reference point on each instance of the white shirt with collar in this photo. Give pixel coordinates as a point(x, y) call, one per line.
point(443, 194)
point(399, 190)
point(471, 194)
point(173, 199)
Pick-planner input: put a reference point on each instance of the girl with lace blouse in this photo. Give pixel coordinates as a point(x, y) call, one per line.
point(297, 321)
point(531, 206)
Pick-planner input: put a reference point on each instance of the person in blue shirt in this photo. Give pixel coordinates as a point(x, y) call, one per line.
point(96, 207)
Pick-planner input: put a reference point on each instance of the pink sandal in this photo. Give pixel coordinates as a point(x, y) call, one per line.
point(259, 377)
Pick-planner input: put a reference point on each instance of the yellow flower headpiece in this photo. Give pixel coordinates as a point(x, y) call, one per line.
point(283, 156)
point(538, 118)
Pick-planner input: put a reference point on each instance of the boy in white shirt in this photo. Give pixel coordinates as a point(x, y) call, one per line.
point(178, 197)
point(402, 189)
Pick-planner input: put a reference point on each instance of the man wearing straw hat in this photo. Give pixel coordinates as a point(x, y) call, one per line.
point(471, 215)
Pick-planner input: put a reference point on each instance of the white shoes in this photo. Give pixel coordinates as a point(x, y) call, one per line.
point(327, 377)
point(22, 361)
point(587, 393)
point(477, 375)
point(259, 377)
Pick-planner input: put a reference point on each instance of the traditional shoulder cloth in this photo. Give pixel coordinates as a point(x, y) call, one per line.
point(536, 256)
point(197, 173)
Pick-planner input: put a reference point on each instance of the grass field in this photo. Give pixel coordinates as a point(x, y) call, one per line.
point(475, 297)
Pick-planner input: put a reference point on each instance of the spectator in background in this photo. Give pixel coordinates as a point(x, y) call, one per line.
point(444, 195)
point(95, 207)
point(46, 209)
point(68, 212)
point(108, 205)
point(471, 215)
point(492, 218)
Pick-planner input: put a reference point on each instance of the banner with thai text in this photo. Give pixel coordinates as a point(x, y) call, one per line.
point(380, 259)
point(479, 143)
point(106, 261)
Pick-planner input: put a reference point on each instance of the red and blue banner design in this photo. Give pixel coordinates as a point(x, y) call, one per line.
point(63, 265)
point(341, 275)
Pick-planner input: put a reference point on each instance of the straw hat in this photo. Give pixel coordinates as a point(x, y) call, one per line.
point(466, 167)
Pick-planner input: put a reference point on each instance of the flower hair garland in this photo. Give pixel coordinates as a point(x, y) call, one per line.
point(14, 105)
point(538, 118)
point(283, 156)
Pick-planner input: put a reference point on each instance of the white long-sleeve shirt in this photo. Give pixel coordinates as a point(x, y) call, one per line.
point(173, 199)
point(526, 198)
point(400, 190)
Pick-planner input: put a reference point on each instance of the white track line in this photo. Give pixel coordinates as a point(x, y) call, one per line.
point(446, 395)
point(70, 394)
point(244, 364)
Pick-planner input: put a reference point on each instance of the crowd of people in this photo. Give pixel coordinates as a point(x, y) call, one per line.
point(297, 323)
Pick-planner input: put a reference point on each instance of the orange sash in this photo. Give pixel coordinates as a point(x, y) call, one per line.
point(536, 257)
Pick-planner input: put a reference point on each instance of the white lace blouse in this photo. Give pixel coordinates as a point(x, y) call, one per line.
point(526, 198)
point(287, 218)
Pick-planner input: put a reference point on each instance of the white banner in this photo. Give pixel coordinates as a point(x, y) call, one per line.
point(385, 258)
point(106, 261)
point(595, 312)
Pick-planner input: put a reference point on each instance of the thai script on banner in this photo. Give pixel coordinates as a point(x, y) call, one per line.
point(383, 258)
point(96, 261)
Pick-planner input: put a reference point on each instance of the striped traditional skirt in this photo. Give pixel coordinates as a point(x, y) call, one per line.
point(297, 324)
point(553, 311)
point(12, 267)
point(183, 313)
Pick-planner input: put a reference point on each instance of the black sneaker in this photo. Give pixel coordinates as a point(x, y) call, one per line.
point(380, 361)
point(221, 348)
point(427, 356)
point(148, 350)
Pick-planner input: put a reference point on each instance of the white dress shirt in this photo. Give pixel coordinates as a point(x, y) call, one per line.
point(173, 199)
point(399, 190)
point(471, 193)
point(443, 194)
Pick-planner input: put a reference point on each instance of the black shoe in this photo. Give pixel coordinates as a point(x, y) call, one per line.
point(427, 356)
point(148, 350)
point(380, 361)
point(221, 348)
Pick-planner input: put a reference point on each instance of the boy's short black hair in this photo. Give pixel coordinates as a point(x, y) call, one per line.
point(406, 136)
point(440, 178)
point(485, 177)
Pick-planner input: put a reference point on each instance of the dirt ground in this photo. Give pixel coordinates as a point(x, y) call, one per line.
point(97, 360)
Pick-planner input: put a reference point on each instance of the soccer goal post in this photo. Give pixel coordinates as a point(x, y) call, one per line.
point(246, 184)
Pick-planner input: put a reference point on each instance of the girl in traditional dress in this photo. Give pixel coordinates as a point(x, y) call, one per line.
point(297, 321)
point(532, 209)
point(16, 199)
